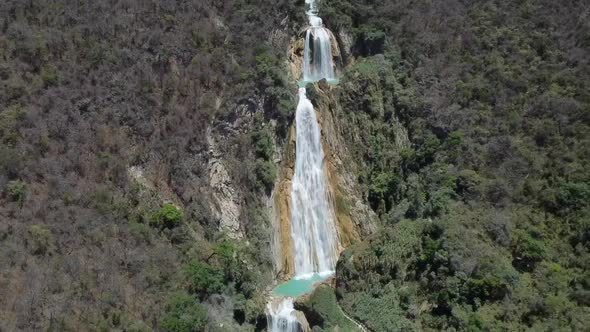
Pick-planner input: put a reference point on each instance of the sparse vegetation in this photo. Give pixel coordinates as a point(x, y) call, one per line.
point(481, 203)
point(17, 192)
point(105, 113)
point(468, 121)
point(41, 239)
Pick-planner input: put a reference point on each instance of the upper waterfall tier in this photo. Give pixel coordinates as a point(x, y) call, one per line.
point(312, 218)
point(317, 58)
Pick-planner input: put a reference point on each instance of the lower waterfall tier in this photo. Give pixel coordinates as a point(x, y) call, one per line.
point(281, 317)
point(313, 228)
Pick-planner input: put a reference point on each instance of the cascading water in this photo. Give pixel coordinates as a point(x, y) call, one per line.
point(313, 229)
point(281, 317)
point(311, 7)
point(317, 58)
point(312, 218)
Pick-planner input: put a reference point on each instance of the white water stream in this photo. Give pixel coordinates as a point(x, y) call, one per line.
point(317, 58)
point(281, 317)
point(312, 217)
point(313, 228)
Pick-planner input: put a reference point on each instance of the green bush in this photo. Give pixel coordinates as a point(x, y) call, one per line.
point(168, 216)
point(269, 68)
point(266, 174)
point(17, 191)
point(382, 189)
point(203, 278)
point(264, 146)
point(41, 239)
point(323, 301)
point(49, 75)
point(568, 197)
point(226, 254)
point(527, 250)
point(9, 120)
point(184, 313)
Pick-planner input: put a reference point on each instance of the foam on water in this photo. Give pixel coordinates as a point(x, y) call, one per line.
point(317, 56)
point(313, 228)
point(281, 317)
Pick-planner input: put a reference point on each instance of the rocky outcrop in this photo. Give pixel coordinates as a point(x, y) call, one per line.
point(303, 323)
point(345, 41)
point(227, 202)
point(354, 217)
point(282, 312)
point(282, 244)
point(296, 53)
point(220, 311)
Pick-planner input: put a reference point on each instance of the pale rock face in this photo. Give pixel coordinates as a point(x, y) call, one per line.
point(227, 200)
point(136, 173)
point(220, 310)
point(280, 207)
point(347, 41)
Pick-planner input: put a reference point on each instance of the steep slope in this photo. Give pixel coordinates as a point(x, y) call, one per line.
point(140, 143)
point(137, 154)
point(472, 122)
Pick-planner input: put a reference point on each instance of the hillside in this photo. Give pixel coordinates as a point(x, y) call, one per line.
point(127, 128)
point(141, 143)
point(485, 213)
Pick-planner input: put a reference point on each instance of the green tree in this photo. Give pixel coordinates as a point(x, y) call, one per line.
point(168, 216)
point(41, 239)
point(17, 191)
point(184, 313)
point(203, 278)
point(266, 173)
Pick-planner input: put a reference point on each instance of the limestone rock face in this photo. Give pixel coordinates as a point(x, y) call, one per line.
point(354, 217)
point(303, 323)
point(296, 57)
point(345, 39)
point(282, 244)
point(226, 198)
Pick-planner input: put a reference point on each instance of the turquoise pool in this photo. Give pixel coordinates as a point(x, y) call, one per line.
point(300, 286)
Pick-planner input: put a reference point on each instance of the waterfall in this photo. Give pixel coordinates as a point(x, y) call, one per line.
point(282, 318)
point(313, 228)
point(311, 7)
point(317, 57)
point(312, 218)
